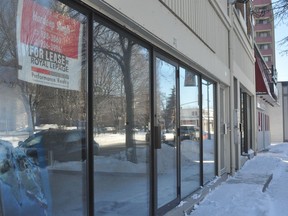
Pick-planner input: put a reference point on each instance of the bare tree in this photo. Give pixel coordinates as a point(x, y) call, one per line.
point(280, 14)
point(8, 33)
point(280, 8)
point(116, 48)
point(64, 105)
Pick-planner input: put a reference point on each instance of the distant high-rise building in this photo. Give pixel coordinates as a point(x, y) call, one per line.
point(264, 30)
point(265, 71)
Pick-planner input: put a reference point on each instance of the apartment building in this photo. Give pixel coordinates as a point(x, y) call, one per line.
point(264, 30)
point(265, 69)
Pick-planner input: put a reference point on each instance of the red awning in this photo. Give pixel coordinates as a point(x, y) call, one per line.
point(261, 74)
point(262, 85)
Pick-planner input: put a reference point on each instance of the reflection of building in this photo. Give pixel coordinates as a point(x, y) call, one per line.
point(208, 116)
point(190, 116)
point(14, 115)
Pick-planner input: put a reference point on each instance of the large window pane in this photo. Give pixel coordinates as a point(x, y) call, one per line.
point(208, 130)
point(121, 121)
point(166, 121)
point(42, 109)
point(246, 128)
point(189, 132)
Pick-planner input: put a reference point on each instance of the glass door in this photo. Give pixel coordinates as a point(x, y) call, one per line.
point(165, 133)
point(245, 130)
point(190, 125)
point(121, 113)
point(208, 129)
point(223, 130)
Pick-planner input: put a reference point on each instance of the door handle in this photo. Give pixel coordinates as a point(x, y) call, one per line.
point(157, 134)
point(241, 127)
point(225, 129)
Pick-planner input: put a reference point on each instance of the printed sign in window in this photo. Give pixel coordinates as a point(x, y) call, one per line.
point(49, 46)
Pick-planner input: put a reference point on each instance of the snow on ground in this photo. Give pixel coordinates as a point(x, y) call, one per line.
point(239, 195)
point(242, 194)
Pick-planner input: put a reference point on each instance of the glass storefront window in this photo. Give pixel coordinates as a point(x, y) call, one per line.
point(208, 127)
point(121, 123)
point(44, 117)
point(42, 109)
point(166, 121)
point(189, 132)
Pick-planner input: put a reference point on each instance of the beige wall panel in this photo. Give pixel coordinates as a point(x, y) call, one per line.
point(243, 63)
point(223, 5)
point(208, 26)
point(276, 121)
point(154, 17)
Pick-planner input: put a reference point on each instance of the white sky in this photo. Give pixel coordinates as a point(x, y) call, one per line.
point(281, 31)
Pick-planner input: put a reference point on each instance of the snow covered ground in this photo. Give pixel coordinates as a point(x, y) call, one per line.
point(242, 194)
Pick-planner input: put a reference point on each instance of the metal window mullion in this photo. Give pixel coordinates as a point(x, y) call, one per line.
point(153, 164)
point(177, 139)
point(89, 149)
point(201, 130)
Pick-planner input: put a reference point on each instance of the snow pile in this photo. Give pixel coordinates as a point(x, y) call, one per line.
point(20, 181)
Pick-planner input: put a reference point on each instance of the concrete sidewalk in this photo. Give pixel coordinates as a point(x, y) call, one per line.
point(253, 177)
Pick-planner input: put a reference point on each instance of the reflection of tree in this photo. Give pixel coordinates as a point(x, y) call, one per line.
point(106, 83)
point(8, 33)
point(169, 111)
point(120, 79)
point(8, 56)
point(48, 105)
point(112, 49)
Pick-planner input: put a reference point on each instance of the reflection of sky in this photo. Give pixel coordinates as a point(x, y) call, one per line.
point(166, 74)
point(188, 93)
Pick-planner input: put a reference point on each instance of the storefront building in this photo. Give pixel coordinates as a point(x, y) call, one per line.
point(121, 107)
point(279, 122)
point(267, 100)
point(266, 73)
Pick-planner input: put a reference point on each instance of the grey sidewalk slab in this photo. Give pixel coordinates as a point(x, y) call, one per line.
point(252, 176)
point(259, 179)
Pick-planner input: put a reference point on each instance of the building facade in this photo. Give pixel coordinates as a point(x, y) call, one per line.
point(265, 70)
point(264, 30)
point(90, 91)
point(279, 126)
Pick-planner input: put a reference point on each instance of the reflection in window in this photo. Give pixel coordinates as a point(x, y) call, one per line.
point(166, 121)
point(42, 93)
point(189, 132)
point(208, 130)
point(121, 122)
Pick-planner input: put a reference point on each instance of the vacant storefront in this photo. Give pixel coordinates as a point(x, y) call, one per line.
point(94, 119)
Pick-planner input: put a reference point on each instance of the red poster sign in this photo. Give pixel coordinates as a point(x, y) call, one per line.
point(49, 46)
